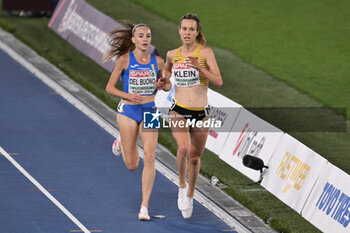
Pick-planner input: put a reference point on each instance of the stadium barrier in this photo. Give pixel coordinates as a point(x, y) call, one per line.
point(226, 111)
point(298, 176)
point(85, 28)
point(250, 135)
point(293, 172)
point(328, 206)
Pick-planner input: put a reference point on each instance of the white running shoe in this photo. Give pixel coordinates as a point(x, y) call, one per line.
point(181, 198)
point(143, 215)
point(187, 213)
point(115, 146)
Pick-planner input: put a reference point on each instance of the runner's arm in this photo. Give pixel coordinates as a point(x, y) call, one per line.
point(121, 65)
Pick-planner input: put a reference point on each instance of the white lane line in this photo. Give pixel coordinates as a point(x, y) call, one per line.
point(43, 190)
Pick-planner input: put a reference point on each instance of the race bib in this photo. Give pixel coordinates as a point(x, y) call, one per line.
point(184, 75)
point(142, 81)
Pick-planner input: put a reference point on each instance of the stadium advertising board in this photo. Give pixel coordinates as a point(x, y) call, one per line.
point(250, 135)
point(85, 28)
point(328, 207)
point(225, 110)
point(293, 171)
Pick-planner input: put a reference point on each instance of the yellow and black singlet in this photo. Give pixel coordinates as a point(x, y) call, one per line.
point(186, 76)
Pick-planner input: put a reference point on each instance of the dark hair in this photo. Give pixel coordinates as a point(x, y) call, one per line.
point(200, 38)
point(120, 40)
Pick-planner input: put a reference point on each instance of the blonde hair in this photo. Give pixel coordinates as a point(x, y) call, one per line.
point(120, 40)
point(200, 38)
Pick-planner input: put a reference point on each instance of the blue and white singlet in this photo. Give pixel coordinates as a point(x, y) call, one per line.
point(139, 78)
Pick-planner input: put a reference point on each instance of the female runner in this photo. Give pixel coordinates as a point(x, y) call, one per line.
point(138, 69)
point(193, 66)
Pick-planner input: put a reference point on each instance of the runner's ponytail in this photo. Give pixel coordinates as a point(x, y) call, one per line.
point(120, 40)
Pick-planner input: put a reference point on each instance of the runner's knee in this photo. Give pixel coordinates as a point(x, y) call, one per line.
point(195, 160)
point(148, 158)
point(184, 150)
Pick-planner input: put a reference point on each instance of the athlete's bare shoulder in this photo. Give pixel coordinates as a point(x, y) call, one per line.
point(125, 57)
point(160, 62)
point(170, 54)
point(123, 61)
point(159, 59)
point(207, 53)
point(206, 50)
point(172, 51)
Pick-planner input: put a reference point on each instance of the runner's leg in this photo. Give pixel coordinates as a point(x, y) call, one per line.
point(149, 140)
point(129, 131)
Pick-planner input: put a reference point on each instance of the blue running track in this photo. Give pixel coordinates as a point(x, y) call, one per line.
point(70, 156)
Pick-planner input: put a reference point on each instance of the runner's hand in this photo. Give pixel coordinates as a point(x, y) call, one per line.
point(160, 84)
point(194, 63)
point(136, 98)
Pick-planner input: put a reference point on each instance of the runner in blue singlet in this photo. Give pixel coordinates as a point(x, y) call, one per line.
point(139, 79)
point(138, 69)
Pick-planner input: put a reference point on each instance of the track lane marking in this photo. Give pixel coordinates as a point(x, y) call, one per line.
point(44, 191)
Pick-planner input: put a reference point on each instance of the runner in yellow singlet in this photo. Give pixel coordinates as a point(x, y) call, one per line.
point(193, 66)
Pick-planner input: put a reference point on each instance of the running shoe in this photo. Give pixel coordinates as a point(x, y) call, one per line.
point(181, 198)
point(115, 146)
point(187, 213)
point(143, 215)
